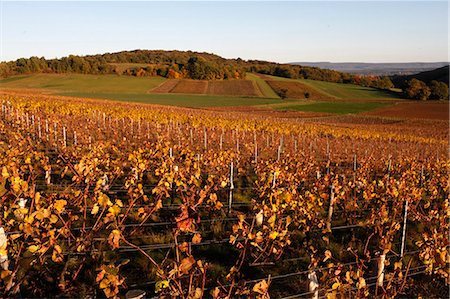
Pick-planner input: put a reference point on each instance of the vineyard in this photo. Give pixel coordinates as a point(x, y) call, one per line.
point(110, 199)
point(244, 88)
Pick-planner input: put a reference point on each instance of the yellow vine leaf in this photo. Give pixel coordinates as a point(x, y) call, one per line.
point(273, 235)
point(197, 238)
point(261, 287)
point(115, 210)
point(33, 248)
point(59, 205)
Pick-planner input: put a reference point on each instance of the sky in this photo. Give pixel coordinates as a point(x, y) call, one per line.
point(306, 31)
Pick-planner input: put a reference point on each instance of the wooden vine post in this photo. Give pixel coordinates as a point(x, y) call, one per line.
point(274, 180)
point(389, 170)
point(46, 130)
point(328, 150)
point(405, 217)
point(39, 128)
point(205, 138)
point(4, 262)
point(230, 198)
point(256, 148)
point(330, 209)
point(48, 176)
point(65, 136)
point(313, 285)
point(55, 133)
point(380, 276)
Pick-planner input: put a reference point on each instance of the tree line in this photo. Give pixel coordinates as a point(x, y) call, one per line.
point(169, 64)
point(419, 90)
point(314, 73)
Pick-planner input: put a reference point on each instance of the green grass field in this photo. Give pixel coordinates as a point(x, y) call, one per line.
point(332, 107)
point(350, 91)
point(266, 90)
point(180, 100)
point(83, 83)
point(345, 91)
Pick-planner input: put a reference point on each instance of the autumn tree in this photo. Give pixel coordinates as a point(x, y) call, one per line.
point(416, 89)
point(384, 83)
point(439, 90)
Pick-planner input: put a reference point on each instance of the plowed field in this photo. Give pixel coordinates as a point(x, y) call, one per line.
point(225, 87)
point(191, 86)
point(233, 87)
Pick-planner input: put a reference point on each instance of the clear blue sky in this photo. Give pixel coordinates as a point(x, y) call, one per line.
point(394, 31)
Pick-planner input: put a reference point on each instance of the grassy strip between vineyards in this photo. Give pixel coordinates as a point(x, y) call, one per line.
point(265, 89)
point(332, 107)
point(180, 100)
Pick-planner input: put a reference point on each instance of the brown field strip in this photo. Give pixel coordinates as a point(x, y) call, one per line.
point(167, 86)
point(233, 88)
point(439, 111)
point(224, 88)
point(296, 90)
point(191, 86)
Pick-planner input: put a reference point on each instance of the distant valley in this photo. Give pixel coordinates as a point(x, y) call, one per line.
point(376, 69)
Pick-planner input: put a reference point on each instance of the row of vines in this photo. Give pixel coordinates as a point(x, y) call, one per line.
point(113, 200)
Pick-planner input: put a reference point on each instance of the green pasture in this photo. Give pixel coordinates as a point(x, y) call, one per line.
point(345, 91)
point(83, 83)
point(180, 100)
point(351, 91)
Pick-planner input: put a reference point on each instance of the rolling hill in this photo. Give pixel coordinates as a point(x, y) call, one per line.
point(439, 74)
point(193, 79)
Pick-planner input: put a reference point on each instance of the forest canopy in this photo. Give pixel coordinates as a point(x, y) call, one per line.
point(169, 64)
